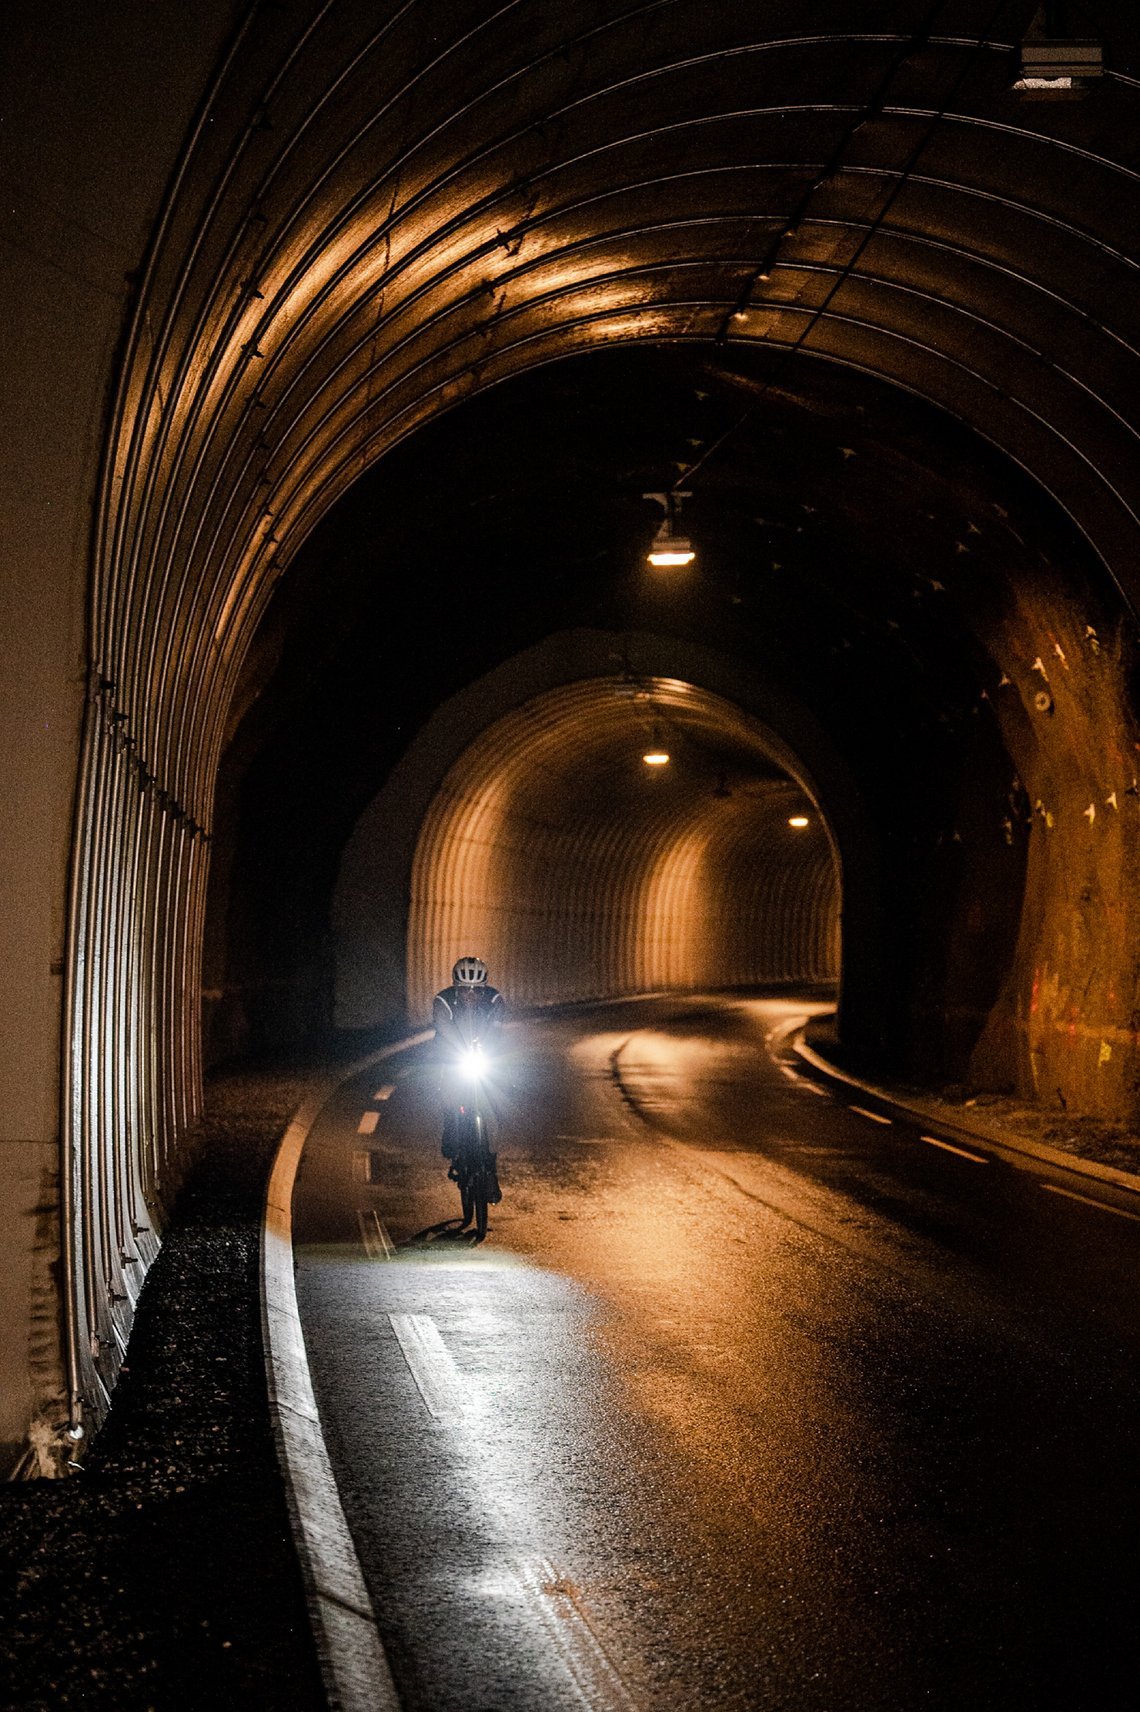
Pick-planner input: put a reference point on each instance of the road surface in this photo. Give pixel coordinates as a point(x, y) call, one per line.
point(751, 1399)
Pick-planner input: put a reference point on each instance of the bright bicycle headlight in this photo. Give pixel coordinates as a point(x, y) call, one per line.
point(473, 1062)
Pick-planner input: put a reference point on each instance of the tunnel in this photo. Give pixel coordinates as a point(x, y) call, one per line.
point(585, 871)
point(396, 329)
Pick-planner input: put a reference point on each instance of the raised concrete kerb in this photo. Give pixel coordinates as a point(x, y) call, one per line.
point(1017, 1151)
point(354, 1667)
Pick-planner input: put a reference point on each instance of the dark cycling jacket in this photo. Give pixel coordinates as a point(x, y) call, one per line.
point(463, 1015)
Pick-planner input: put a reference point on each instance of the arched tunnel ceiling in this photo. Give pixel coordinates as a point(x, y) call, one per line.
point(885, 568)
point(579, 870)
point(377, 218)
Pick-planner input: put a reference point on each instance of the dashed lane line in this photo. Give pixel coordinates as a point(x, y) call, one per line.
point(367, 1124)
point(378, 1245)
point(437, 1378)
point(875, 1117)
point(962, 1152)
point(557, 1604)
point(1102, 1206)
point(386, 1092)
point(553, 1599)
point(801, 1081)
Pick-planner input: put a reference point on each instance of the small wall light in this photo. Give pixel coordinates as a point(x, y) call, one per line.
point(670, 547)
point(798, 820)
point(655, 758)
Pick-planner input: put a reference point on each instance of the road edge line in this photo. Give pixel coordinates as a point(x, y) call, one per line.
point(1021, 1148)
point(354, 1666)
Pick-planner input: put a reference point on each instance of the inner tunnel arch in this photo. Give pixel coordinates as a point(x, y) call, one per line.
point(523, 823)
point(580, 872)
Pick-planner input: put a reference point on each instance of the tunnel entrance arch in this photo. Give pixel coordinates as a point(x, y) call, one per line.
point(580, 871)
point(523, 822)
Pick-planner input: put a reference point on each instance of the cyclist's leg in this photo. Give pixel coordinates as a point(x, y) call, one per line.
point(480, 1185)
point(462, 1167)
point(488, 1134)
point(466, 1180)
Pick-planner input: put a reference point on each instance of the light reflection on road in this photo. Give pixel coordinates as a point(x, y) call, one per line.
point(745, 1374)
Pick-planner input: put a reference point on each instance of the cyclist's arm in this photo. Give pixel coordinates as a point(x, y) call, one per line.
point(447, 1032)
point(492, 1020)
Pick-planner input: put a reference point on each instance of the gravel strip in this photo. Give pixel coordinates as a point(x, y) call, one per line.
point(163, 1575)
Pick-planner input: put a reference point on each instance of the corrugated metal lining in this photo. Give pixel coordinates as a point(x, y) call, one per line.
point(577, 871)
point(132, 1067)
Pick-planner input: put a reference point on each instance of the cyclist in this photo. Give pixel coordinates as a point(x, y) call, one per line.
point(470, 1009)
point(469, 1013)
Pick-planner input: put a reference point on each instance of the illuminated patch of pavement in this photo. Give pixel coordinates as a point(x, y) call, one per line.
point(788, 1410)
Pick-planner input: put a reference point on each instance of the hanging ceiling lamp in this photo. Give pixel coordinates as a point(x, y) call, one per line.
point(670, 547)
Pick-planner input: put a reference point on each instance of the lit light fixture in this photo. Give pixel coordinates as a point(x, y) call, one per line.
point(670, 547)
point(655, 758)
point(798, 820)
point(1054, 63)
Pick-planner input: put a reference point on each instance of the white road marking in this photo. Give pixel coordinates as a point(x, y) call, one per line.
point(368, 1123)
point(813, 1088)
point(963, 1152)
point(1102, 1206)
point(558, 1605)
point(776, 1036)
point(386, 1092)
point(550, 1596)
point(439, 1381)
point(875, 1117)
point(378, 1244)
point(553, 1599)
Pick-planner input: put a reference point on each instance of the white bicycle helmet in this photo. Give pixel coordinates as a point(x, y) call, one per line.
point(469, 972)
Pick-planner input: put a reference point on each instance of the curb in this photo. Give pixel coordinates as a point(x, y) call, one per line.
point(1018, 1150)
point(354, 1666)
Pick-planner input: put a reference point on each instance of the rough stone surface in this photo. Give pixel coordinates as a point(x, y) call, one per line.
point(163, 1575)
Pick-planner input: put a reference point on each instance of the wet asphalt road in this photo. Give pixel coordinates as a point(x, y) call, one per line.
point(748, 1400)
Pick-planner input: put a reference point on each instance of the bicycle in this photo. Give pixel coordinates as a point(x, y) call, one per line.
point(473, 1165)
point(474, 1172)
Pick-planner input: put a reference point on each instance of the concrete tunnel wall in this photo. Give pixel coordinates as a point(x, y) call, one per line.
point(343, 229)
point(553, 851)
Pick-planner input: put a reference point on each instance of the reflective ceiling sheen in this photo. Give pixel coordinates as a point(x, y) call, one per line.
point(383, 211)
